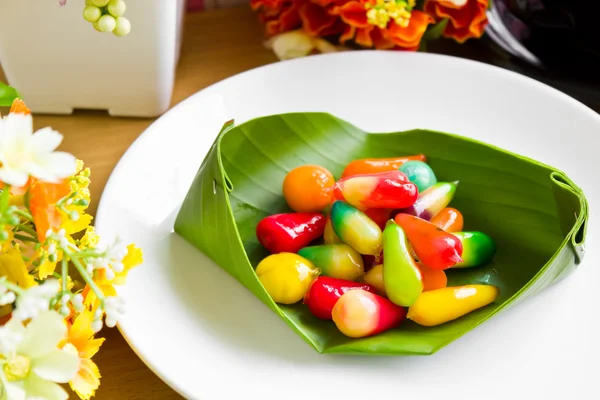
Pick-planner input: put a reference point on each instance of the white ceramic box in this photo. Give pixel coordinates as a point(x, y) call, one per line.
point(59, 62)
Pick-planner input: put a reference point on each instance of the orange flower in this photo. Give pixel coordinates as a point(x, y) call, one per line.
point(42, 204)
point(408, 38)
point(352, 13)
point(317, 21)
point(384, 33)
point(19, 107)
point(283, 19)
point(465, 21)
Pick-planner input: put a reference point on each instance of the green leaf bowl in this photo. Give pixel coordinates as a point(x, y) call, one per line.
point(535, 213)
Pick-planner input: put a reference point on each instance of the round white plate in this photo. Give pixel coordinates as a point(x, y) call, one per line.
point(210, 339)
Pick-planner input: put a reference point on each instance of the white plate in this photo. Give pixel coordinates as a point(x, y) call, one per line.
point(209, 338)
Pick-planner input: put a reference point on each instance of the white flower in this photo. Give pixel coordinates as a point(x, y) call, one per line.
point(24, 153)
point(77, 302)
point(6, 296)
point(35, 365)
point(111, 260)
point(114, 308)
point(35, 299)
point(295, 44)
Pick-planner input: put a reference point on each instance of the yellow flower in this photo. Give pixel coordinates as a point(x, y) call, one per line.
point(13, 267)
point(81, 337)
point(90, 239)
point(79, 202)
point(133, 258)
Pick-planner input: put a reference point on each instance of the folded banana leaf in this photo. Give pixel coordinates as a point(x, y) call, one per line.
point(535, 214)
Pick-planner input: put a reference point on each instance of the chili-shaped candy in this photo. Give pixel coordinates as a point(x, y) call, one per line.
point(433, 246)
point(432, 200)
point(355, 228)
point(401, 275)
point(359, 313)
point(390, 189)
point(375, 165)
point(374, 277)
point(325, 291)
point(439, 306)
point(379, 215)
point(335, 260)
point(286, 276)
point(432, 278)
point(449, 219)
point(478, 249)
point(289, 232)
point(419, 173)
point(329, 235)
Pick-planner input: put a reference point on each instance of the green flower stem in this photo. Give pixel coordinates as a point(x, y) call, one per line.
point(12, 287)
point(87, 254)
point(24, 214)
point(85, 275)
point(65, 274)
point(4, 198)
point(27, 229)
point(25, 238)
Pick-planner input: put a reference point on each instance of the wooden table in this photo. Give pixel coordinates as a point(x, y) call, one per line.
point(217, 45)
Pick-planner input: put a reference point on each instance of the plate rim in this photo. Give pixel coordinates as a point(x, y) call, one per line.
point(173, 110)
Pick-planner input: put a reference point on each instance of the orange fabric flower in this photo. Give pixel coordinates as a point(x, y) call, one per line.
point(316, 21)
point(464, 22)
point(352, 13)
point(408, 38)
point(282, 20)
point(42, 204)
point(19, 107)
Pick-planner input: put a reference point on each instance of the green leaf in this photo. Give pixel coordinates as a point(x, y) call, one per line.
point(535, 214)
point(435, 31)
point(7, 95)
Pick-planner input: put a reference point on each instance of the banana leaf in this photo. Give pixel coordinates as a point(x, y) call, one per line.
point(535, 214)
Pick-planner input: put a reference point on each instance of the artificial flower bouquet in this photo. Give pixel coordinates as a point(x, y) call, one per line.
point(297, 28)
point(57, 278)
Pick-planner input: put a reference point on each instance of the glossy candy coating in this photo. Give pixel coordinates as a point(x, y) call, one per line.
point(335, 260)
point(289, 232)
point(308, 188)
point(375, 165)
point(374, 277)
point(286, 276)
point(434, 247)
point(439, 306)
point(432, 278)
point(390, 189)
point(401, 275)
point(355, 228)
point(449, 219)
point(419, 173)
point(379, 215)
point(329, 235)
point(325, 291)
point(478, 249)
point(432, 200)
point(359, 313)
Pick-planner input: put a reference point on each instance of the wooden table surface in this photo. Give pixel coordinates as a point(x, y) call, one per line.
point(216, 45)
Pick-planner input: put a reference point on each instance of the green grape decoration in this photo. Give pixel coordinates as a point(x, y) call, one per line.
point(107, 16)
